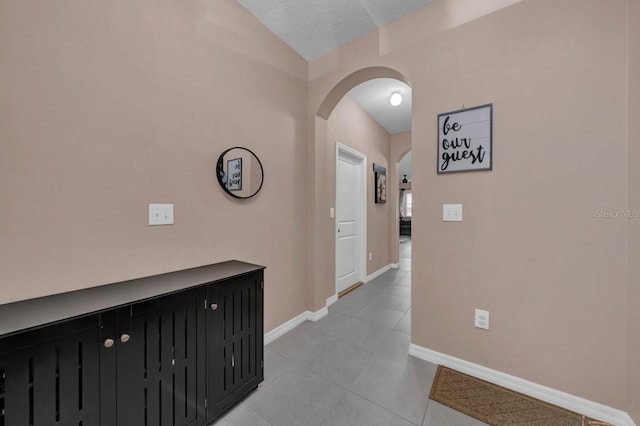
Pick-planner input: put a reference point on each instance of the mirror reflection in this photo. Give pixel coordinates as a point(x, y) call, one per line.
point(240, 172)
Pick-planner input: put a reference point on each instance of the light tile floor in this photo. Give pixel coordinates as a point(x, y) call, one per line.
point(350, 368)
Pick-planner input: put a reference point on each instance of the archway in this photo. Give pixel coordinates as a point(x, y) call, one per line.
point(401, 146)
point(321, 251)
point(352, 80)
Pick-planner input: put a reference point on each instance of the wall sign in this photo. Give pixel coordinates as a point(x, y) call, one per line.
point(380, 174)
point(465, 140)
point(234, 171)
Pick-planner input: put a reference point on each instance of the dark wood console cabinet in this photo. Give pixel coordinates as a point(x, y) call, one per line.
point(175, 349)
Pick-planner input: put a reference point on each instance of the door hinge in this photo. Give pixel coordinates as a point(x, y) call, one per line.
point(205, 403)
point(262, 285)
point(205, 304)
point(261, 364)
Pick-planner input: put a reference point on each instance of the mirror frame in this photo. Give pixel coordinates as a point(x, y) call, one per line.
point(220, 170)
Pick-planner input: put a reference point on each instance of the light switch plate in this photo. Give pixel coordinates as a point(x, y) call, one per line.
point(452, 212)
point(160, 214)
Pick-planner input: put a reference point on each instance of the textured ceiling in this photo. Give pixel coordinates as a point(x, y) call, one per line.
point(316, 27)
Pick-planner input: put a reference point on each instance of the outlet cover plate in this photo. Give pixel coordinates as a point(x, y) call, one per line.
point(482, 319)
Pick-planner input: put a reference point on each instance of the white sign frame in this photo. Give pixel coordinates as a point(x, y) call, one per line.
point(465, 140)
point(234, 174)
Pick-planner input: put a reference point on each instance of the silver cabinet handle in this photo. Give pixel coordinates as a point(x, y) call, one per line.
point(214, 306)
point(108, 343)
point(125, 338)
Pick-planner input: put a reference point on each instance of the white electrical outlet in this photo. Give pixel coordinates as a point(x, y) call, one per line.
point(452, 212)
point(370, 255)
point(482, 319)
point(160, 214)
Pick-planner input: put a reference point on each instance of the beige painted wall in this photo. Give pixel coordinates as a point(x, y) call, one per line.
point(633, 156)
point(351, 126)
point(531, 249)
point(109, 106)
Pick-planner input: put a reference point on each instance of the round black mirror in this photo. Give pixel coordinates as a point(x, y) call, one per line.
point(240, 172)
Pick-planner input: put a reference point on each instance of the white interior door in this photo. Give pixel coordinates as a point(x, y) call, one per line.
point(349, 218)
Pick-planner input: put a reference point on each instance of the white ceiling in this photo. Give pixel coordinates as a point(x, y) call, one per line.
point(316, 27)
point(373, 97)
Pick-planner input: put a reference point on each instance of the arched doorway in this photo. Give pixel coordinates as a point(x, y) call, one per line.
point(321, 253)
point(405, 210)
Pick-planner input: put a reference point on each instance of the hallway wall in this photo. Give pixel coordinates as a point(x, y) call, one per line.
point(109, 106)
point(633, 158)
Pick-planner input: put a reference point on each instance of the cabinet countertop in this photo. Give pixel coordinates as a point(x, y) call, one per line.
point(32, 313)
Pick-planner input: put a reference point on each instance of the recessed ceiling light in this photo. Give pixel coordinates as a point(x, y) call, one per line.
point(395, 99)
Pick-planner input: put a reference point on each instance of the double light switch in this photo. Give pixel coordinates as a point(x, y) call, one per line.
point(452, 212)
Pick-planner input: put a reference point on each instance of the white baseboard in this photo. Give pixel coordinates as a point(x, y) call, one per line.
point(294, 322)
point(543, 393)
point(286, 327)
point(333, 299)
point(377, 273)
point(318, 315)
point(395, 265)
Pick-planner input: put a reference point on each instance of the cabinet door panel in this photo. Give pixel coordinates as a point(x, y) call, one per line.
point(54, 381)
point(157, 366)
point(234, 341)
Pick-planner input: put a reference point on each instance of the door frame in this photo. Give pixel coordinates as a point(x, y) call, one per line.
point(361, 211)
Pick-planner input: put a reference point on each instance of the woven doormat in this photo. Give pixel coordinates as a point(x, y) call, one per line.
point(498, 406)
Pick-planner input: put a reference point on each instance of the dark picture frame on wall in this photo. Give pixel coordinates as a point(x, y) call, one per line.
point(380, 179)
point(465, 140)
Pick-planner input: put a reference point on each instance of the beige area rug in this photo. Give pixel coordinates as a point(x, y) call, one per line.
point(499, 406)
